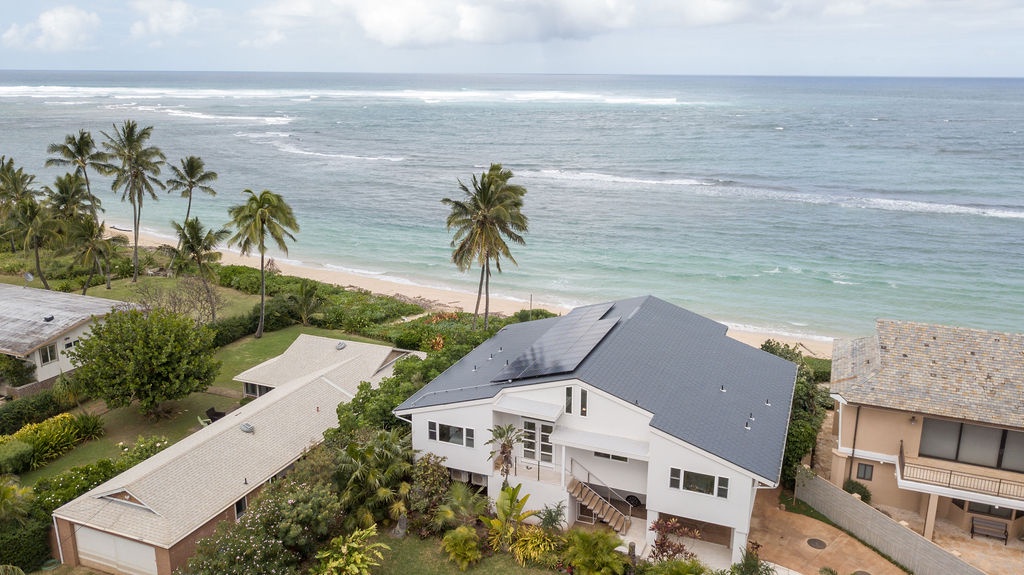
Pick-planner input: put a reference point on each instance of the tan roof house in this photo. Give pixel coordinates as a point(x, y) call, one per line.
point(39, 326)
point(931, 419)
point(148, 519)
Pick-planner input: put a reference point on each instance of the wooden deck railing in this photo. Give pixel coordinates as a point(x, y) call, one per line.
point(960, 479)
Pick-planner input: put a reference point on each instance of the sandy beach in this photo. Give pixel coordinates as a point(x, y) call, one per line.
point(443, 299)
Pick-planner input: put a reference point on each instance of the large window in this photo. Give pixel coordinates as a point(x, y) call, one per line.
point(450, 434)
point(583, 402)
point(972, 444)
point(48, 354)
point(698, 482)
point(240, 506)
point(568, 399)
point(537, 441)
point(613, 457)
point(256, 390)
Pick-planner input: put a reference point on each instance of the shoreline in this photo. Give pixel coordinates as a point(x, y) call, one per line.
point(438, 299)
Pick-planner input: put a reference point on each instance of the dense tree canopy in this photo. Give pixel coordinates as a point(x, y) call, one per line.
point(147, 357)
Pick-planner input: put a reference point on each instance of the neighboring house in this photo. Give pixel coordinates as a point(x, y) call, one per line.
point(39, 326)
point(931, 419)
point(632, 410)
point(148, 519)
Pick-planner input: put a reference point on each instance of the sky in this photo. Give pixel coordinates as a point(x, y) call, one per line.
point(969, 38)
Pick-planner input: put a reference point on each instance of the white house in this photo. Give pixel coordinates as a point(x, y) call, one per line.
point(632, 410)
point(148, 520)
point(39, 326)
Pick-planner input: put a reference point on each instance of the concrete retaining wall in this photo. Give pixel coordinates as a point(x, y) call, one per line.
point(873, 527)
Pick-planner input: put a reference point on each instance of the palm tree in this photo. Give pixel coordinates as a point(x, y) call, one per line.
point(374, 478)
point(36, 227)
point(15, 186)
point(462, 505)
point(86, 242)
point(198, 246)
point(504, 438)
point(307, 301)
point(135, 170)
point(489, 215)
point(15, 500)
point(191, 176)
point(81, 153)
point(263, 215)
point(70, 199)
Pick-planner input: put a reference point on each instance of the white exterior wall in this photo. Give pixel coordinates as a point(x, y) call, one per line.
point(477, 417)
point(63, 363)
point(733, 511)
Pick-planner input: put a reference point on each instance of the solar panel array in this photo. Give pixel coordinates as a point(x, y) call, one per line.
point(563, 347)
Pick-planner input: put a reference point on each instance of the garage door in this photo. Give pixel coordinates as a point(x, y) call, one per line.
point(112, 553)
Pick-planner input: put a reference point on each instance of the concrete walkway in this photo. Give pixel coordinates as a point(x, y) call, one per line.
point(784, 537)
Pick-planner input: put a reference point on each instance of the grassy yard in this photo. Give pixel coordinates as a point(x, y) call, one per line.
point(241, 355)
point(425, 557)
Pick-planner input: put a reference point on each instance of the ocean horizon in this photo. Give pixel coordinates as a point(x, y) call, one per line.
point(800, 206)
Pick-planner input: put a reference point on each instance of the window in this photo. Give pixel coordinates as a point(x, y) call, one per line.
point(993, 510)
point(972, 444)
point(583, 402)
point(698, 482)
point(603, 455)
point(450, 434)
point(865, 471)
point(48, 354)
point(568, 400)
point(70, 344)
point(256, 390)
point(537, 441)
point(240, 507)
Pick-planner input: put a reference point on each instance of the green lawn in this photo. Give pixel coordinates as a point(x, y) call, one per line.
point(241, 355)
point(127, 424)
point(425, 557)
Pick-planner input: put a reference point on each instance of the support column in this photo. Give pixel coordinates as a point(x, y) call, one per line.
point(929, 518)
point(652, 516)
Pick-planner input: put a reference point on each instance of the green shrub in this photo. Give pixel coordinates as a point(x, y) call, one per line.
point(17, 372)
point(32, 409)
point(15, 457)
point(854, 486)
point(25, 545)
point(89, 426)
point(50, 438)
point(463, 546)
point(534, 544)
point(231, 329)
point(242, 278)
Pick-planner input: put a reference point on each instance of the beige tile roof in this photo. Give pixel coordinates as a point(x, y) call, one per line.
point(184, 486)
point(310, 355)
point(954, 372)
point(23, 313)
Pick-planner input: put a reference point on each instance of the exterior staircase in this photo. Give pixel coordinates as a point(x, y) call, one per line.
point(601, 507)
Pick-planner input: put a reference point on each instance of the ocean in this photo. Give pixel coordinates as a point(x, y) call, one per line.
point(800, 206)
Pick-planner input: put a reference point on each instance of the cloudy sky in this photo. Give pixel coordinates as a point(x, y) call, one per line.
point(759, 37)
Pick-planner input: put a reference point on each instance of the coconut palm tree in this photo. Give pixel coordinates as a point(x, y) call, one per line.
point(198, 246)
point(307, 300)
point(86, 241)
point(35, 227)
point(484, 221)
point(262, 216)
point(15, 186)
point(79, 151)
point(504, 439)
point(191, 176)
point(69, 199)
point(135, 167)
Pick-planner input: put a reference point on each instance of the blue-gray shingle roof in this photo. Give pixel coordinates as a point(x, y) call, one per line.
point(665, 359)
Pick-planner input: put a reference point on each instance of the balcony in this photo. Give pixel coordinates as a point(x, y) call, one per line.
point(967, 479)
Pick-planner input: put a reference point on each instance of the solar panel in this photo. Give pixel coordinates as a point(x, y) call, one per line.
point(563, 347)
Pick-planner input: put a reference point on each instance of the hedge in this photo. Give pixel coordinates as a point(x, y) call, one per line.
point(32, 409)
point(49, 439)
point(15, 457)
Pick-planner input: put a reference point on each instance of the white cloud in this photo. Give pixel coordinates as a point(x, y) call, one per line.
point(56, 30)
point(162, 18)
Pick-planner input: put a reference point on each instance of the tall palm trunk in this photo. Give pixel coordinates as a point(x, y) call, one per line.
point(135, 233)
point(263, 291)
point(88, 280)
point(479, 294)
point(487, 292)
point(39, 268)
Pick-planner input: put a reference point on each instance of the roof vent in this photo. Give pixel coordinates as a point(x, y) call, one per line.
point(48, 318)
point(247, 428)
point(340, 346)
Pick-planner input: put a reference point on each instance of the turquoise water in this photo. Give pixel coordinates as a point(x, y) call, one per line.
point(808, 206)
